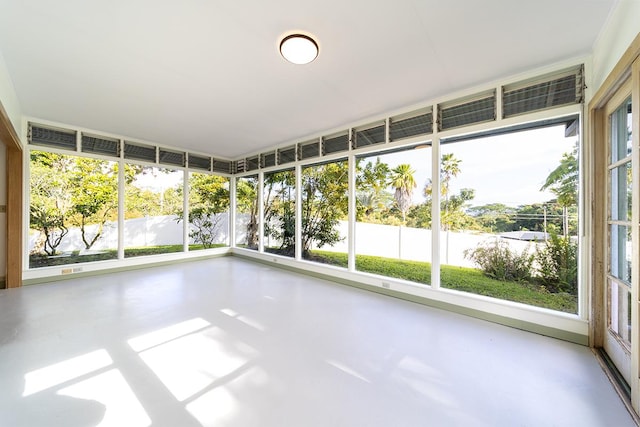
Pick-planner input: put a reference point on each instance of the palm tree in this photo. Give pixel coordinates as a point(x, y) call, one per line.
point(403, 182)
point(563, 182)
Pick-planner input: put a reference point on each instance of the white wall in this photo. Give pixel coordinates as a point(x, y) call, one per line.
point(622, 26)
point(9, 99)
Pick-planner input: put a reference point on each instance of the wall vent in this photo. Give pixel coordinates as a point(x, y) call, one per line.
point(100, 145)
point(137, 151)
point(286, 155)
point(411, 124)
point(308, 150)
point(370, 135)
point(467, 111)
point(252, 163)
point(52, 137)
point(551, 90)
point(199, 162)
point(268, 159)
point(335, 143)
point(169, 157)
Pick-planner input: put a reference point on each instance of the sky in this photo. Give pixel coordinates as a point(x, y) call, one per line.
point(508, 169)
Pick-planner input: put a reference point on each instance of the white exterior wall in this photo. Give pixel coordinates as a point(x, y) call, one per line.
point(622, 26)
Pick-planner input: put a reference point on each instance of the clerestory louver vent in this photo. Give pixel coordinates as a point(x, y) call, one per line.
point(551, 90)
point(335, 143)
point(199, 162)
point(100, 145)
point(222, 166)
point(52, 137)
point(308, 150)
point(369, 135)
point(411, 124)
point(478, 109)
point(287, 155)
point(170, 157)
point(252, 163)
point(268, 159)
point(137, 151)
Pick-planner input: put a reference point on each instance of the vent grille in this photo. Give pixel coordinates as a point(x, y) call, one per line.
point(556, 91)
point(222, 166)
point(139, 152)
point(369, 136)
point(252, 163)
point(335, 144)
point(308, 150)
point(268, 159)
point(287, 155)
point(414, 125)
point(199, 162)
point(467, 113)
point(50, 137)
point(168, 157)
point(100, 145)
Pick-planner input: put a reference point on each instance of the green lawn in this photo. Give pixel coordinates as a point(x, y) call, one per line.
point(458, 278)
point(74, 257)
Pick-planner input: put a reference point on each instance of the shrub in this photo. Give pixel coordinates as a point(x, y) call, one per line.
point(498, 261)
point(557, 266)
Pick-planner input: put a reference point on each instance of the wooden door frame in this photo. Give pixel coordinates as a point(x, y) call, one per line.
point(14, 184)
point(627, 68)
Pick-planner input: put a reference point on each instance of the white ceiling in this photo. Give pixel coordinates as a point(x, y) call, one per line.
point(206, 75)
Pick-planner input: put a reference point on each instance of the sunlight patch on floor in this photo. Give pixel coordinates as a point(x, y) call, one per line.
point(67, 370)
point(122, 407)
point(164, 335)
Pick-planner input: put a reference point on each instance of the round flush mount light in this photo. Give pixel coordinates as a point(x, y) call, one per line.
point(299, 49)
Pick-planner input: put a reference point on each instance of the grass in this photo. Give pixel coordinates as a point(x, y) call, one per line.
point(458, 278)
point(74, 257)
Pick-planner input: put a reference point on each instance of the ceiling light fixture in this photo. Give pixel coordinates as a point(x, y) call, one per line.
point(299, 49)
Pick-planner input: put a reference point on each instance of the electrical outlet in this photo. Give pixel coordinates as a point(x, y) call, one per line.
point(386, 285)
point(77, 269)
point(67, 270)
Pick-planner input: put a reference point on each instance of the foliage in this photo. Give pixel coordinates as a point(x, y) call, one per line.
point(208, 199)
point(51, 201)
point(324, 203)
point(279, 209)
point(557, 265)
point(456, 278)
point(94, 193)
point(403, 182)
point(497, 260)
point(372, 198)
point(247, 202)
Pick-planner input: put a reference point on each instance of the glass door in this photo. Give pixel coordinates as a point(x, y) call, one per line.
point(618, 305)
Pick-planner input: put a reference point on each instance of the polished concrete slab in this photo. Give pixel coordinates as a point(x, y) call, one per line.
point(228, 342)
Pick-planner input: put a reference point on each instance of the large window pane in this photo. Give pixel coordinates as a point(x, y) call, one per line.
point(621, 185)
point(73, 209)
point(509, 217)
point(324, 212)
point(393, 225)
point(247, 212)
point(280, 213)
point(208, 211)
point(153, 210)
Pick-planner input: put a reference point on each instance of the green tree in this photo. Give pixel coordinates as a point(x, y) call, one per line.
point(247, 202)
point(563, 182)
point(324, 203)
point(403, 182)
point(279, 209)
point(208, 199)
point(494, 217)
point(372, 197)
point(94, 196)
point(50, 201)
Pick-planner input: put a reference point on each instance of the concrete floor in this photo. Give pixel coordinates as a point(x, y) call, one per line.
point(228, 342)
